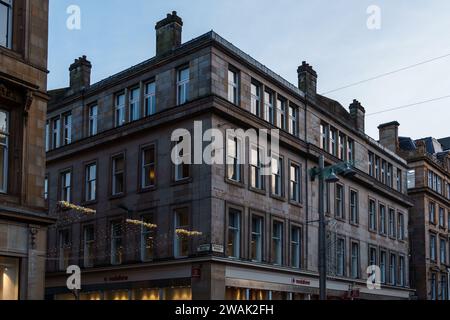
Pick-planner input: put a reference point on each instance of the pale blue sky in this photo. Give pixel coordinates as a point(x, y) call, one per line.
point(330, 35)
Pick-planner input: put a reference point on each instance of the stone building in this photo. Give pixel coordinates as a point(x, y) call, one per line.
point(429, 187)
point(23, 107)
point(197, 231)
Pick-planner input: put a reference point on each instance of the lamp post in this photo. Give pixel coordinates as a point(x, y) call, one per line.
point(327, 175)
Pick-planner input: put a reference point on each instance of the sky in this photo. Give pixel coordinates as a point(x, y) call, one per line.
point(332, 36)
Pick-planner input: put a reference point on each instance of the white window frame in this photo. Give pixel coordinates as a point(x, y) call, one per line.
point(120, 109)
point(233, 87)
point(295, 182)
point(93, 120)
point(91, 183)
point(257, 237)
point(256, 169)
point(277, 243)
point(269, 112)
point(277, 175)
point(134, 104)
point(148, 166)
point(234, 226)
point(150, 98)
point(256, 99)
point(234, 158)
point(67, 128)
point(66, 186)
point(116, 172)
point(296, 247)
point(183, 86)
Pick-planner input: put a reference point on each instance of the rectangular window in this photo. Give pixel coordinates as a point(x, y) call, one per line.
point(281, 114)
point(402, 272)
point(88, 246)
point(256, 173)
point(183, 86)
point(411, 177)
point(67, 129)
point(342, 147)
point(277, 243)
point(256, 100)
point(6, 17)
point(441, 217)
point(443, 295)
point(116, 243)
point(147, 238)
point(181, 243)
point(355, 260)
point(150, 99)
point(373, 261)
point(47, 136)
point(371, 164)
point(295, 183)
point(401, 226)
point(120, 110)
point(268, 107)
point(234, 234)
point(351, 150)
point(56, 133)
point(372, 216)
point(433, 247)
point(257, 239)
point(66, 186)
point(233, 87)
point(65, 247)
point(333, 142)
point(4, 150)
point(296, 247)
point(383, 171)
point(383, 265)
point(324, 136)
point(182, 170)
point(390, 175)
point(148, 172)
point(377, 168)
point(382, 219)
point(339, 207)
point(432, 212)
point(433, 287)
point(135, 104)
point(118, 175)
point(293, 121)
point(234, 159)
point(46, 188)
point(399, 180)
point(340, 257)
point(393, 269)
point(327, 196)
point(91, 182)
point(277, 174)
point(93, 120)
point(354, 207)
point(392, 223)
point(443, 251)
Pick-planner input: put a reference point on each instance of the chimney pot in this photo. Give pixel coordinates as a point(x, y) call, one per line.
point(389, 135)
point(80, 74)
point(168, 33)
point(307, 79)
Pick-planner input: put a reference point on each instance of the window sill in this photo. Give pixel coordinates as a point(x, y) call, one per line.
point(354, 224)
point(117, 196)
point(256, 190)
point(147, 189)
point(277, 197)
point(235, 183)
point(181, 182)
point(296, 203)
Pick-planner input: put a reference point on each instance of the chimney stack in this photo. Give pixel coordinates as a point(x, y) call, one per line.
point(389, 135)
point(307, 79)
point(80, 74)
point(168, 33)
point(358, 114)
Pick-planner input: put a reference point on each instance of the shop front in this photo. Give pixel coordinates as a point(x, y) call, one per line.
point(9, 278)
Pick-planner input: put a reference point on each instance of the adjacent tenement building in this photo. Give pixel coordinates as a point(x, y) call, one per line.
point(429, 187)
point(165, 230)
point(23, 107)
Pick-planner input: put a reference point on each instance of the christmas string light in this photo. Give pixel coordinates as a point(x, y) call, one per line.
point(142, 223)
point(64, 205)
point(186, 233)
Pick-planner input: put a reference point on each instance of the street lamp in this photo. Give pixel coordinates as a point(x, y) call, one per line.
point(329, 175)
